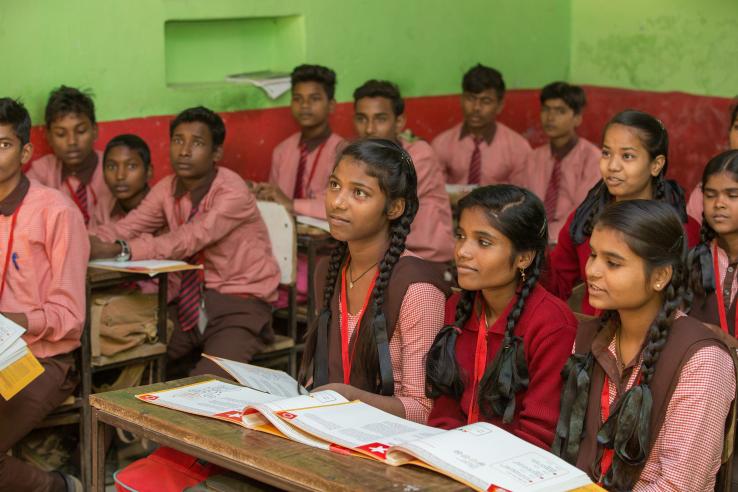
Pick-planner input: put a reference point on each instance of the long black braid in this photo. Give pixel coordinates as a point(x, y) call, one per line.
point(521, 217)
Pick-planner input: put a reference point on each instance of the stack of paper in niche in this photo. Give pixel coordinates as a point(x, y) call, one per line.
point(18, 366)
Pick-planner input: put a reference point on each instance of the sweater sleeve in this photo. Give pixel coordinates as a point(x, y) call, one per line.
point(563, 270)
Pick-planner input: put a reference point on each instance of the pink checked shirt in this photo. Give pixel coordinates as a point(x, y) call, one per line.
point(580, 171)
point(46, 280)
point(500, 158)
point(227, 229)
point(421, 318)
point(431, 235)
point(723, 265)
point(47, 170)
point(695, 205)
point(285, 159)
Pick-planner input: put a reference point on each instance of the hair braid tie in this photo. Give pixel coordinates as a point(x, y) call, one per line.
point(577, 374)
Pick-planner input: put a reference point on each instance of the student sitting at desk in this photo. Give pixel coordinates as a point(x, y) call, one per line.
point(127, 171)
point(379, 112)
point(42, 289)
point(213, 220)
point(74, 167)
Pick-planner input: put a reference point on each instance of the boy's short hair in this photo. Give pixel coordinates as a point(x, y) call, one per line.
point(315, 73)
point(203, 115)
point(67, 100)
point(381, 88)
point(480, 78)
point(572, 95)
point(133, 142)
point(15, 114)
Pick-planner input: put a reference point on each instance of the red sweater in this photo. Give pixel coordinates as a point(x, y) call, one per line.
point(548, 328)
point(567, 261)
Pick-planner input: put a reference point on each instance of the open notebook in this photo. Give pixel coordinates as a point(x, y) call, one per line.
point(18, 366)
point(150, 267)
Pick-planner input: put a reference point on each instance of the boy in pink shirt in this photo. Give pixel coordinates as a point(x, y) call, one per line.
point(302, 163)
point(213, 220)
point(564, 170)
point(379, 113)
point(480, 150)
point(74, 167)
point(42, 288)
point(127, 170)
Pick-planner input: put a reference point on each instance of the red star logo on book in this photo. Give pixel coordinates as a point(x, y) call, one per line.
point(233, 415)
point(376, 449)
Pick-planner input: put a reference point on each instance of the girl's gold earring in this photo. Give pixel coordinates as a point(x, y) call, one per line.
point(522, 275)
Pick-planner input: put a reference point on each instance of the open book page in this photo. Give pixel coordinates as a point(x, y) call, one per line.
point(358, 426)
point(277, 383)
point(261, 416)
point(486, 457)
point(13, 352)
point(9, 333)
point(150, 267)
point(18, 366)
point(313, 222)
point(212, 398)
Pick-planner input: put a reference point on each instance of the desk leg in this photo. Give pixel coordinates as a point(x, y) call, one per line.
point(311, 282)
point(162, 327)
point(98, 452)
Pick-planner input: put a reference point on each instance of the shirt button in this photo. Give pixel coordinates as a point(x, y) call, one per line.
point(730, 269)
point(726, 292)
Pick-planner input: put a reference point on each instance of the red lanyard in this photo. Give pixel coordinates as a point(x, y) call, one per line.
point(9, 249)
point(345, 359)
point(719, 293)
point(315, 165)
point(480, 363)
point(74, 194)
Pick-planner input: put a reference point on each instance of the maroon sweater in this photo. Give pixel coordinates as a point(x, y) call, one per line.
point(567, 261)
point(548, 329)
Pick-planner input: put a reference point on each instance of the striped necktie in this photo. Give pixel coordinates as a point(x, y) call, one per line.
point(301, 165)
point(190, 292)
point(475, 165)
point(552, 191)
point(80, 195)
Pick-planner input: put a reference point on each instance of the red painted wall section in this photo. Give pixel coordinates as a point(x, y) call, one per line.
point(698, 127)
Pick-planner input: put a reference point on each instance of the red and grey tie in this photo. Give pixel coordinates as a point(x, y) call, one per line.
point(190, 293)
point(552, 192)
point(475, 165)
point(301, 165)
point(81, 198)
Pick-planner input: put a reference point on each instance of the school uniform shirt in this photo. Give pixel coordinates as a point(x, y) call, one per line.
point(695, 205)
point(568, 260)
point(420, 320)
point(45, 277)
point(431, 235)
point(580, 171)
point(227, 230)
point(285, 160)
point(548, 329)
point(503, 151)
point(48, 170)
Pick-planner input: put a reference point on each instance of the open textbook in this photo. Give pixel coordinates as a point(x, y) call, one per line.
point(150, 267)
point(18, 366)
point(479, 455)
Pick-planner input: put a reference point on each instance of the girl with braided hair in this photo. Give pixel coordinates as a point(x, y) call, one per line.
point(500, 357)
point(382, 305)
point(633, 166)
point(648, 391)
point(714, 261)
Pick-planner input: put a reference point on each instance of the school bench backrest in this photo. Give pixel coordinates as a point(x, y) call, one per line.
point(283, 236)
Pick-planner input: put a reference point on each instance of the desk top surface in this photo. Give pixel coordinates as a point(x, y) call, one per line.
point(292, 464)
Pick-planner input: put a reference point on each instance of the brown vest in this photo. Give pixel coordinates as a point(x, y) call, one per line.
point(408, 270)
point(686, 336)
point(706, 310)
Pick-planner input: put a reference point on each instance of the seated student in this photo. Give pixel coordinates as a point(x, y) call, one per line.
point(648, 390)
point(379, 112)
point(481, 150)
point(45, 247)
point(633, 165)
point(373, 288)
point(127, 170)
point(562, 171)
point(713, 262)
point(213, 220)
point(302, 163)
point(694, 205)
point(500, 357)
point(74, 167)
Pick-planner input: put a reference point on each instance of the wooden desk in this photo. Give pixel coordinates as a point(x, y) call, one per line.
point(266, 458)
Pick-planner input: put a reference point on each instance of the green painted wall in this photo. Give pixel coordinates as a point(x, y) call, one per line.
point(118, 48)
point(661, 45)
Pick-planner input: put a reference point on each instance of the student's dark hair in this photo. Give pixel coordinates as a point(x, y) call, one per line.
point(480, 78)
point(572, 95)
point(701, 277)
point(654, 232)
point(393, 168)
point(133, 142)
point(68, 100)
point(381, 88)
point(316, 73)
point(15, 114)
point(203, 115)
point(655, 139)
point(521, 217)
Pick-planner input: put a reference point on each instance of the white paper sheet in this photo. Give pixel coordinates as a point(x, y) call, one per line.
point(277, 383)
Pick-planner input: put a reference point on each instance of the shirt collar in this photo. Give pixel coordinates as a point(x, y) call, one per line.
point(313, 143)
point(488, 134)
point(10, 203)
point(561, 152)
point(119, 211)
point(84, 171)
point(199, 192)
